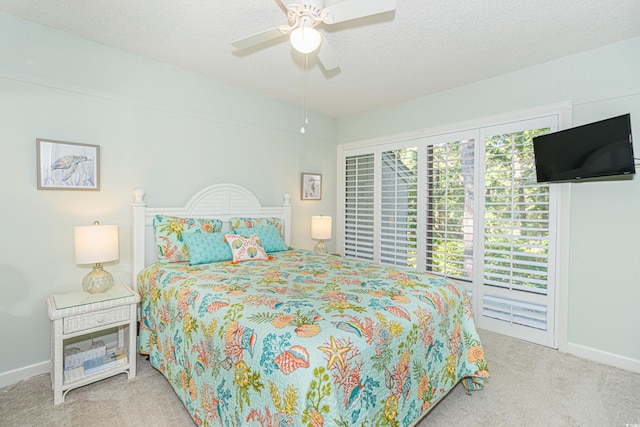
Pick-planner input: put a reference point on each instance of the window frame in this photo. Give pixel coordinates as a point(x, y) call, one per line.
point(561, 195)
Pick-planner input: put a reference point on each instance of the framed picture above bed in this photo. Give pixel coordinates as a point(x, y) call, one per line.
point(67, 165)
point(311, 188)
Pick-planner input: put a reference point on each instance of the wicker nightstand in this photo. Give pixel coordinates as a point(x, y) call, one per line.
point(79, 315)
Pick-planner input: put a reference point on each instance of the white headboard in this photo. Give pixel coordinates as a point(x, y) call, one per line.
point(221, 201)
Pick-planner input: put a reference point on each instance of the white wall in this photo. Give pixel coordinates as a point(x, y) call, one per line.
point(167, 130)
point(603, 288)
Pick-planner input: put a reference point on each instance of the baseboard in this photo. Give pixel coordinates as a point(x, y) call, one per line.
point(603, 357)
point(13, 377)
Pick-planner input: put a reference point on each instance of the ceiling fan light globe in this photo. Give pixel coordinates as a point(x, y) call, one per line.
point(305, 39)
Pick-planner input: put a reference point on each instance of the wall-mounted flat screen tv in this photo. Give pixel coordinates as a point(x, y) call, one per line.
point(598, 149)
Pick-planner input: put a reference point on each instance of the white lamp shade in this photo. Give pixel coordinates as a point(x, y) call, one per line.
point(321, 227)
point(96, 244)
point(305, 39)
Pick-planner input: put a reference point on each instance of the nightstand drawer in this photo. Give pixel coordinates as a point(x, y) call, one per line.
point(92, 320)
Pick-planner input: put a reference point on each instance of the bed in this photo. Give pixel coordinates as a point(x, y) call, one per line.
point(295, 338)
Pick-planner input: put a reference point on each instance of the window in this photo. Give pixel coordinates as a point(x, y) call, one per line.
point(516, 222)
point(398, 207)
point(465, 205)
point(359, 207)
point(450, 208)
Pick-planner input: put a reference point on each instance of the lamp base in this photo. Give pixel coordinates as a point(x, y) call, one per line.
point(97, 281)
point(321, 248)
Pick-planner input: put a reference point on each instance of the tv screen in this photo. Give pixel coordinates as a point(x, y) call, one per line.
point(598, 149)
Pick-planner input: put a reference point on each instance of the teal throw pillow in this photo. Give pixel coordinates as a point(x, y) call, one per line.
point(270, 238)
point(205, 248)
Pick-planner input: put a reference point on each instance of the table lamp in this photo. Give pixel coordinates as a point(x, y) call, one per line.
point(321, 230)
point(96, 244)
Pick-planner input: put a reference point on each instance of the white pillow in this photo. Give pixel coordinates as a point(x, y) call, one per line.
point(245, 248)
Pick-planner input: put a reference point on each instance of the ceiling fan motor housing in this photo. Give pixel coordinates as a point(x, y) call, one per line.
point(305, 14)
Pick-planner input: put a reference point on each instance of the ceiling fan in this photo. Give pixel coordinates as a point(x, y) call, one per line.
point(305, 15)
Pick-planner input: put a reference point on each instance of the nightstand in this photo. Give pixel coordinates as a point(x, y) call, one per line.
point(79, 316)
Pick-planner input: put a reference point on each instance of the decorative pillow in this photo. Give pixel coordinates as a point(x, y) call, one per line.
point(270, 238)
point(169, 231)
point(255, 223)
point(207, 247)
point(245, 248)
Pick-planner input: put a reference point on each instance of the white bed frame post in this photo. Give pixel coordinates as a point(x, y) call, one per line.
point(286, 205)
point(221, 201)
point(138, 209)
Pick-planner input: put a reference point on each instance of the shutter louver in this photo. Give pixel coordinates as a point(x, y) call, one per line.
point(525, 313)
point(398, 213)
point(359, 207)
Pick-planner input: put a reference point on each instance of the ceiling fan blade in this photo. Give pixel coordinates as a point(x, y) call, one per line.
point(355, 9)
point(260, 38)
point(327, 56)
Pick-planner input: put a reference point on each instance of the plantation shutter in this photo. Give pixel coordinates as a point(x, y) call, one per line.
point(516, 241)
point(450, 209)
point(465, 205)
point(359, 206)
point(398, 207)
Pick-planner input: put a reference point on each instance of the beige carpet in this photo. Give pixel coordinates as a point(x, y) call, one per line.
point(530, 386)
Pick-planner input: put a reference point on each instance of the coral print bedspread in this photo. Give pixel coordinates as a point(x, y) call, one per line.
point(307, 340)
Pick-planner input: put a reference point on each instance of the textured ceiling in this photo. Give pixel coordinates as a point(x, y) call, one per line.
point(425, 46)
